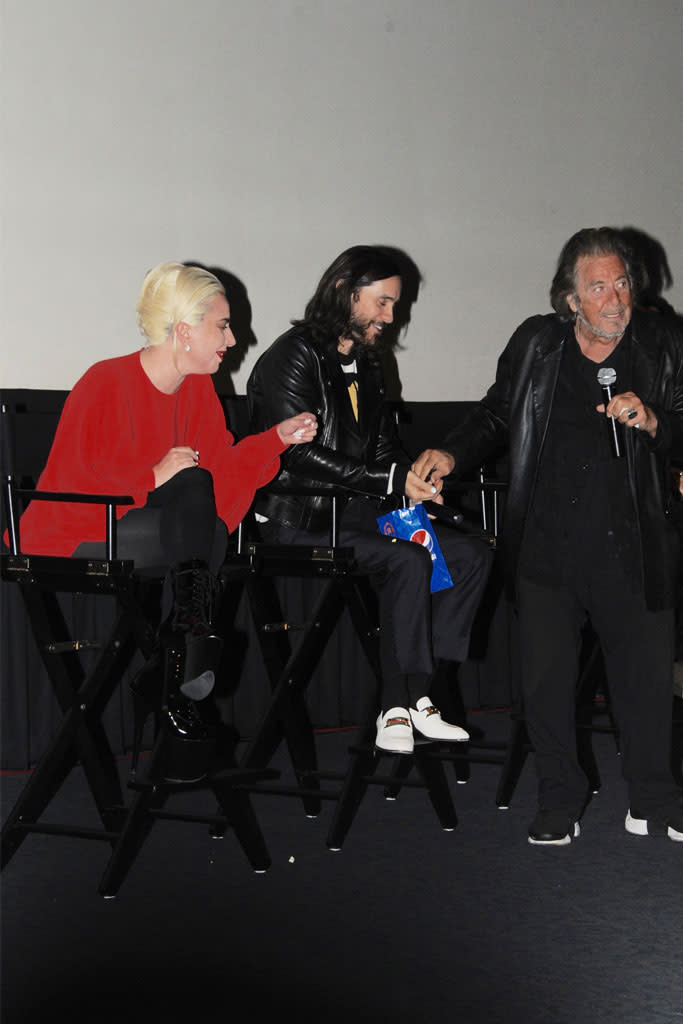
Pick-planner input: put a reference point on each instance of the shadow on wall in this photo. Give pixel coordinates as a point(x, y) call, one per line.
point(651, 268)
point(411, 280)
point(241, 317)
point(240, 322)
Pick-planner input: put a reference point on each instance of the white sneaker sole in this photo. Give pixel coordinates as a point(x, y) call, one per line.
point(638, 827)
point(564, 841)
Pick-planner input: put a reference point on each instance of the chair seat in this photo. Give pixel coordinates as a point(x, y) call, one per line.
point(79, 575)
point(299, 559)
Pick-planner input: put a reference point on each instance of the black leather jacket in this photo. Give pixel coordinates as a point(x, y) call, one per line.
point(514, 414)
point(297, 374)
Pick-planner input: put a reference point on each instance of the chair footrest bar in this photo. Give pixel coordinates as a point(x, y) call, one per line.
point(160, 814)
point(300, 791)
point(493, 757)
point(69, 646)
point(81, 832)
point(236, 776)
point(390, 780)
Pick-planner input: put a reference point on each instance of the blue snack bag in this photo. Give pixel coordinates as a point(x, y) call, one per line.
point(414, 524)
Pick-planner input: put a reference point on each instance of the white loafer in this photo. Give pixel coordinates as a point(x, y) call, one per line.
point(428, 721)
point(394, 732)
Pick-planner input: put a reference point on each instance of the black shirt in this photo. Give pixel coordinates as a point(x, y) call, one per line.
point(582, 515)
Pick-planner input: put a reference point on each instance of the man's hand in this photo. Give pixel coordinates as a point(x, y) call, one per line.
point(417, 490)
point(433, 465)
point(298, 429)
point(629, 410)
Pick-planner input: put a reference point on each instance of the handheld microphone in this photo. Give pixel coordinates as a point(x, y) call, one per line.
point(454, 518)
point(444, 512)
point(606, 378)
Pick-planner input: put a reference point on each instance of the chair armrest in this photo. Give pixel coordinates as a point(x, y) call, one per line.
point(26, 494)
point(489, 491)
point(31, 494)
point(323, 491)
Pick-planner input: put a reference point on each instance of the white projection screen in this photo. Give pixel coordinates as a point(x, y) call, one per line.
point(262, 138)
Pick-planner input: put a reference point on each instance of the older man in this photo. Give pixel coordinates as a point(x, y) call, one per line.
point(587, 530)
point(330, 358)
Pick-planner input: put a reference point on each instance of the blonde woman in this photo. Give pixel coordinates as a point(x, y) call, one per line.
point(149, 424)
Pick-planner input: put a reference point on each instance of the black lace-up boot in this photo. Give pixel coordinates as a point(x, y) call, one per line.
point(190, 654)
point(189, 741)
point(195, 591)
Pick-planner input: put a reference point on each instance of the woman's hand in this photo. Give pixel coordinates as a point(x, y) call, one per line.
point(173, 461)
point(298, 429)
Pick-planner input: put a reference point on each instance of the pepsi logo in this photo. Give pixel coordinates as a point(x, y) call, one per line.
point(423, 537)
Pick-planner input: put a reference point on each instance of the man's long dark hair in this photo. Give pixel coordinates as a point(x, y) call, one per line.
point(328, 313)
point(587, 242)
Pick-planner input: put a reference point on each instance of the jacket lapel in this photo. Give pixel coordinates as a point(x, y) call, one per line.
point(545, 368)
point(644, 361)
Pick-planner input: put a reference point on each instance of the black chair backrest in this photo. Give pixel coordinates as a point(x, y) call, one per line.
point(425, 424)
point(28, 420)
point(236, 412)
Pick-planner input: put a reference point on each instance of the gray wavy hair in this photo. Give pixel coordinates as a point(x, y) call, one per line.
point(586, 242)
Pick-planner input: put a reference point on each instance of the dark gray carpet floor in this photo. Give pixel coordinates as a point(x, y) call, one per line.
point(406, 923)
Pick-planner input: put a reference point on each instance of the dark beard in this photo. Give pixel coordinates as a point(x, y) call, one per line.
point(597, 331)
point(355, 332)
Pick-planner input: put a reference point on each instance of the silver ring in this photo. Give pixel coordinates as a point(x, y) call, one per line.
point(637, 426)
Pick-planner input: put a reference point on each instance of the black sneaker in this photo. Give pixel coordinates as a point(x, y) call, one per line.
point(553, 828)
point(669, 824)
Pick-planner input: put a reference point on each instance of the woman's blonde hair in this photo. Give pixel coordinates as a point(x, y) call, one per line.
point(171, 293)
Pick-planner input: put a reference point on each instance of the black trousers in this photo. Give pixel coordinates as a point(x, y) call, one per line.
point(178, 523)
point(638, 653)
point(418, 629)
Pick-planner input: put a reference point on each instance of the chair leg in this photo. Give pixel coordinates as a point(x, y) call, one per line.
point(286, 715)
point(517, 751)
point(237, 808)
point(402, 769)
point(81, 737)
point(300, 740)
point(148, 806)
point(431, 769)
point(85, 696)
point(44, 782)
point(137, 825)
point(355, 786)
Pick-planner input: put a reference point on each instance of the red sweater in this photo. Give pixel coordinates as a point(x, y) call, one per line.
point(114, 428)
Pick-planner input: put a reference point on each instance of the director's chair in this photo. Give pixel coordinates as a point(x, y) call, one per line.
point(291, 666)
point(84, 674)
